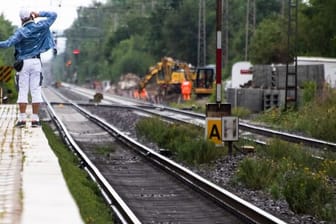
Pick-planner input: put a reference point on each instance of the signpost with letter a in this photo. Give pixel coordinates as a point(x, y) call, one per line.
point(214, 130)
point(220, 125)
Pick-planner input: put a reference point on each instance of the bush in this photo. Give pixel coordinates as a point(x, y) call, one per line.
point(329, 167)
point(185, 141)
point(288, 171)
point(309, 92)
point(308, 192)
point(256, 173)
point(279, 150)
point(151, 128)
point(198, 152)
point(317, 118)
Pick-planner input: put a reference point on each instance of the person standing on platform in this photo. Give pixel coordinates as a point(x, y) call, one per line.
point(30, 40)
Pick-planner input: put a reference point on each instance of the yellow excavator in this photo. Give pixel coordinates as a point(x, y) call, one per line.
point(205, 80)
point(169, 75)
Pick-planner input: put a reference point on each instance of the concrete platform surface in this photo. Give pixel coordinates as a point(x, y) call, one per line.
point(32, 187)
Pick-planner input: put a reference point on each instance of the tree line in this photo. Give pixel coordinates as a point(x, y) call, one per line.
point(128, 36)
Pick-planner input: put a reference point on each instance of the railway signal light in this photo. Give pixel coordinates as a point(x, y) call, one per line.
point(76, 51)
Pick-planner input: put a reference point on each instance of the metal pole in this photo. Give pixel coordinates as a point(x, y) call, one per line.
point(219, 53)
point(201, 44)
point(0, 95)
point(226, 32)
point(247, 29)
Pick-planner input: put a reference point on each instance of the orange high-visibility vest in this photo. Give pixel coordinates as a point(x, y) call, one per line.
point(186, 87)
point(143, 94)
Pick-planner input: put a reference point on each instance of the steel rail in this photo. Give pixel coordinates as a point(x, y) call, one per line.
point(289, 137)
point(243, 125)
point(230, 201)
point(123, 212)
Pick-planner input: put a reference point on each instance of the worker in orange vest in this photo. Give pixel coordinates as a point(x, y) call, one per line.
point(186, 90)
point(144, 94)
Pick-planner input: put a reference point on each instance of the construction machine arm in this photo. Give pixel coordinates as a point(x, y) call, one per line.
point(152, 72)
point(189, 75)
point(166, 71)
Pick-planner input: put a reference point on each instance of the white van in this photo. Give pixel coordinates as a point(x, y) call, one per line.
point(241, 74)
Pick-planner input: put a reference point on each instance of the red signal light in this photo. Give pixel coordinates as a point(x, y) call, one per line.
point(76, 51)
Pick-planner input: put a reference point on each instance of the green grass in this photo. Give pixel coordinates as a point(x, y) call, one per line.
point(288, 171)
point(93, 208)
point(316, 117)
point(104, 150)
point(186, 142)
point(240, 112)
point(196, 105)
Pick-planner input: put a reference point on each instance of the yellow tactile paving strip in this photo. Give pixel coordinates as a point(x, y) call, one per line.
point(11, 162)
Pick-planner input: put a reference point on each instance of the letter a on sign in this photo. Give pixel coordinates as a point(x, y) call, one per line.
point(214, 130)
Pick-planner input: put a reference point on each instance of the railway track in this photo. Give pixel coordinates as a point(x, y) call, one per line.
point(141, 185)
point(199, 120)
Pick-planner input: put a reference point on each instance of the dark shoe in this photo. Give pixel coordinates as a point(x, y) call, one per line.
point(35, 124)
point(20, 124)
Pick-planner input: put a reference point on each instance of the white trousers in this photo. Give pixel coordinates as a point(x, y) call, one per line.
point(30, 79)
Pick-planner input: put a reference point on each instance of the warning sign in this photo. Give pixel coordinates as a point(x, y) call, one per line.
point(5, 73)
point(213, 129)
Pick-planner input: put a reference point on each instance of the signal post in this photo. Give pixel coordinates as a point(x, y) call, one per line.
point(221, 127)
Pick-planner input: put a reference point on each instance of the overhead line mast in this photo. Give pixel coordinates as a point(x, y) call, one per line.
point(250, 24)
point(225, 32)
point(291, 93)
point(201, 43)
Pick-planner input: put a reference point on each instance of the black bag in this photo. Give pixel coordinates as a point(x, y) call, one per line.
point(18, 64)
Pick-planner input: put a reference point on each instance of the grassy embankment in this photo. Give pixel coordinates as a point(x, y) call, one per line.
point(93, 208)
point(284, 170)
point(289, 171)
point(316, 117)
